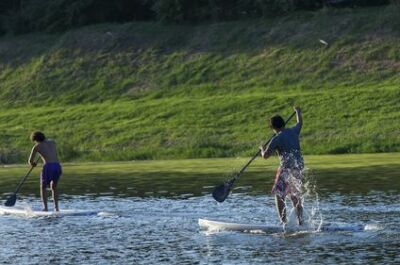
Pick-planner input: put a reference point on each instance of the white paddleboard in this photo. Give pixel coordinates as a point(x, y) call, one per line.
point(19, 211)
point(210, 225)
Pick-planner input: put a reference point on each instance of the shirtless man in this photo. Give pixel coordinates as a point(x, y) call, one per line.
point(288, 178)
point(51, 171)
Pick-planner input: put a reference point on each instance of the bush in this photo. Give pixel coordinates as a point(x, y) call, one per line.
point(309, 4)
point(45, 15)
point(276, 7)
point(355, 3)
point(169, 10)
point(23, 16)
point(395, 3)
point(14, 22)
point(60, 15)
point(176, 11)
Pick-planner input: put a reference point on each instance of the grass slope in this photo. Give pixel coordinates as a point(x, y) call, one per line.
point(148, 91)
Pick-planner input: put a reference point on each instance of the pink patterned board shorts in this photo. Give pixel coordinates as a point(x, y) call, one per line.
point(287, 181)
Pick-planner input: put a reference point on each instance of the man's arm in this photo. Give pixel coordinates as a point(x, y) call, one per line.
point(299, 117)
point(31, 160)
point(267, 151)
point(264, 153)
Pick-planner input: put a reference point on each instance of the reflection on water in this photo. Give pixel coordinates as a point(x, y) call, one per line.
point(154, 221)
point(181, 185)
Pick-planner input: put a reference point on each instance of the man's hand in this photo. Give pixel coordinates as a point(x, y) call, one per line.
point(264, 153)
point(297, 109)
point(262, 150)
point(33, 164)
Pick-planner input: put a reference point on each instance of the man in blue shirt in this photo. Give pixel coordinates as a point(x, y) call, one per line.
point(288, 178)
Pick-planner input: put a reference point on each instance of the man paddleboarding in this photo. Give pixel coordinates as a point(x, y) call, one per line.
point(51, 171)
point(288, 177)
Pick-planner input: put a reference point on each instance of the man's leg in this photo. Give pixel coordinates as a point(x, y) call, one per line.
point(53, 186)
point(43, 195)
point(299, 208)
point(281, 208)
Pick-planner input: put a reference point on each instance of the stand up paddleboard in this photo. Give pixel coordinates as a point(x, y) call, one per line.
point(214, 226)
point(19, 211)
point(210, 225)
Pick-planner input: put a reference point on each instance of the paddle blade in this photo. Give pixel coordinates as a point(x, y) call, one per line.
point(11, 200)
point(221, 192)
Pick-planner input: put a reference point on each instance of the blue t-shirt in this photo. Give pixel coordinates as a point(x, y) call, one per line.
point(287, 145)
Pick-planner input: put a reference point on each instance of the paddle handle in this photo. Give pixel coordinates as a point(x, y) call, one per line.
point(258, 153)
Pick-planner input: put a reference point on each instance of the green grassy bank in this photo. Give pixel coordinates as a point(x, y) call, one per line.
point(151, 91)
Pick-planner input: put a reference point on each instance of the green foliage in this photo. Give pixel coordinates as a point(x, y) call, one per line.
point(169, 10)
point(148, 91)
point(24, 16)
point(50, 16)
point(61, 15)
point(276, 7)
point(221, 10)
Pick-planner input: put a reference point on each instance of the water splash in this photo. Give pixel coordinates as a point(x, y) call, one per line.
point(312, 215)
point(312, 212)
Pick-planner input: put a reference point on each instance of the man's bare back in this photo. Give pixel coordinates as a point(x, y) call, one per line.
point(47, 151)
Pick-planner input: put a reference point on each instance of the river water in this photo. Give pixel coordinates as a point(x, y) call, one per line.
point(160, 225)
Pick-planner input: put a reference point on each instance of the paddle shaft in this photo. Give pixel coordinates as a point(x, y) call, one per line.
point(24, 178)
point(258, 153)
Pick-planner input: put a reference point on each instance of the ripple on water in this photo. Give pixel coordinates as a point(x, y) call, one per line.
point(165, 231)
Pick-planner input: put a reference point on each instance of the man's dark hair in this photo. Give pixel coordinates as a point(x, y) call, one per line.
point(37, 136)
point(277, 122)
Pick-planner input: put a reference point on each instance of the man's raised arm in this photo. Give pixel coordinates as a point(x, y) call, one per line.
point(298, 116)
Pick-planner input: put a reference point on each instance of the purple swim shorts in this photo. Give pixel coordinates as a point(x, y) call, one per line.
point(50, 172)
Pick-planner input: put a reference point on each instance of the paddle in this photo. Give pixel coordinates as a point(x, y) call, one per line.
point(13, 198)
point(221, 191)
